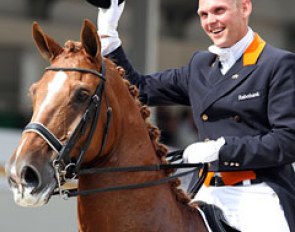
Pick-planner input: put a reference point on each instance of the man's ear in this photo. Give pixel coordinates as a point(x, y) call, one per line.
point(247, 7)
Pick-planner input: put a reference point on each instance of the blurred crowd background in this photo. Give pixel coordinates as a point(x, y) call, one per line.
point(157, 34)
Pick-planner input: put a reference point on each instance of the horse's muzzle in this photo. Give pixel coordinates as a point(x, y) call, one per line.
point(31, 185)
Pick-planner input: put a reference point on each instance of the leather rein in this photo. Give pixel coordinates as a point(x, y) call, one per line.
point(66, 169)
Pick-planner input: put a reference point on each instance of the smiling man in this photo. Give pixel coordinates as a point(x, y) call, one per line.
point(242, 94)
point(217, 20)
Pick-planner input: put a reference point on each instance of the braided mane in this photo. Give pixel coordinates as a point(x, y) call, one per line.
point(155, 133)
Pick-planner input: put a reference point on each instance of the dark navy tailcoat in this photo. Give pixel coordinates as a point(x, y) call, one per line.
point(252, 106)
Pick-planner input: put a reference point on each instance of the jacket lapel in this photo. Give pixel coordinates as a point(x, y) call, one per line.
point(236, 75)
point(215, 74)
point(225, 86)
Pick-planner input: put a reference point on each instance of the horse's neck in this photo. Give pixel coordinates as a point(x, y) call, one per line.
point(144, 209)
point(134, 148)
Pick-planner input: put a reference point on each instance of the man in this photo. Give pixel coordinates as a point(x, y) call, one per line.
point(242, 93)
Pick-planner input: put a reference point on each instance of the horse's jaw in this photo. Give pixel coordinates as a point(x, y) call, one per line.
point(24, 197)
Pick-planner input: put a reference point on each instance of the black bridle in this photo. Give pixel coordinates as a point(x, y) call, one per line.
point(66, 169)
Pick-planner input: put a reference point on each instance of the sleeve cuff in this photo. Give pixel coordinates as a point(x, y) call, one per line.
point(109, 44)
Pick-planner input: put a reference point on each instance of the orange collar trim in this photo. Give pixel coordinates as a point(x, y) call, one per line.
point(254, 50)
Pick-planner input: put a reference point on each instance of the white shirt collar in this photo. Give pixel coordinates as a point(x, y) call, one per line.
point(229, 56)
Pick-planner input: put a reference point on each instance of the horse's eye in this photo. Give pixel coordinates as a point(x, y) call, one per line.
point(81, 96)
point(32, 90)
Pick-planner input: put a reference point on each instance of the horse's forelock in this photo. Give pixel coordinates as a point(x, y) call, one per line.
point(72, 46)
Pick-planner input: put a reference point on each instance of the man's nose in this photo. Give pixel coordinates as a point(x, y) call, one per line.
point(211, 19)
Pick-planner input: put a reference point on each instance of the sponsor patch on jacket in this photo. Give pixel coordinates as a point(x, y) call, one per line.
point(247, 96)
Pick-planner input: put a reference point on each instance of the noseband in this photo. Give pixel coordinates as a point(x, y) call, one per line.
point(63, 165)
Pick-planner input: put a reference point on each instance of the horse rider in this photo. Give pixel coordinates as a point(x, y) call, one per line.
point(242, 94)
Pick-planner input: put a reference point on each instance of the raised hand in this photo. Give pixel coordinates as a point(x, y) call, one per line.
point(107, 23)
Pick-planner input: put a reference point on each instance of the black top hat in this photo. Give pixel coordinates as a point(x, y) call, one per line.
point(102, 3)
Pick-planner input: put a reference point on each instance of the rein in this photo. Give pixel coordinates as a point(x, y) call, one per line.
point(66, 169)
point(67, 193)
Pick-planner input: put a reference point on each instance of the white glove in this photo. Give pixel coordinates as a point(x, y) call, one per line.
point(107, 23)
point(203, 152)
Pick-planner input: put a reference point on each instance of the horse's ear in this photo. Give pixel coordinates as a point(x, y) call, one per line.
point(90, 40)
point(47, 47)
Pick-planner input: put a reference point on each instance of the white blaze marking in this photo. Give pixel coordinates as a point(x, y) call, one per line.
point(54, 87)
point(13, 166)
point(23, 195)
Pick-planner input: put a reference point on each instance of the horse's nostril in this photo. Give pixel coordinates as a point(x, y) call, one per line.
point(30, 177)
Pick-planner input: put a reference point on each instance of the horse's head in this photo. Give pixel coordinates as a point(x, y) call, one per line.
point(70, 107)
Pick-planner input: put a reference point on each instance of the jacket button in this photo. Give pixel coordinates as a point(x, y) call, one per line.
point(205, 117)
point(237, 118)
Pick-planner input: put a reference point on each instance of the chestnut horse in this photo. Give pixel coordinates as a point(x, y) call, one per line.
point(71, 129)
